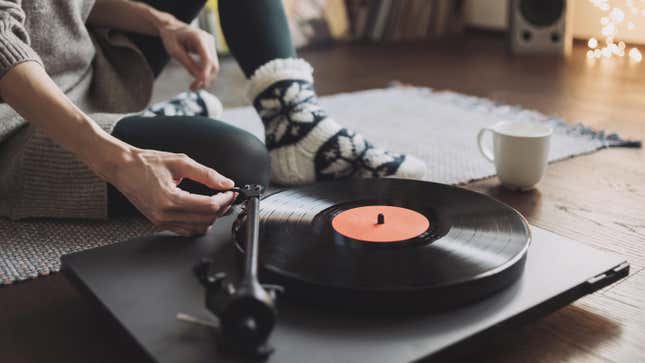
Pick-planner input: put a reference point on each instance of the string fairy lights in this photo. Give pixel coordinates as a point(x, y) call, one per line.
point(615, 20)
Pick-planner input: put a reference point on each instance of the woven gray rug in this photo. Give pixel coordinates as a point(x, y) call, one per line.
point(439, 127)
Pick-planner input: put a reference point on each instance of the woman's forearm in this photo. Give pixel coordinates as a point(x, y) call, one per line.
point(130, 16)
point(29, 90)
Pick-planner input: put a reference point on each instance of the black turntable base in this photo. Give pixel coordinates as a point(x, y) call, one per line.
point(143, 284)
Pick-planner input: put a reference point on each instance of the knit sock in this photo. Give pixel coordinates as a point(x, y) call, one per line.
point(307, 145)
point(197, 103)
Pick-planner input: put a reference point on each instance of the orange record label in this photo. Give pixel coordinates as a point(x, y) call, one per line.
point(380, 223)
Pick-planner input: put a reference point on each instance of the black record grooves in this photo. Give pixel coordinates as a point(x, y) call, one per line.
point(473, 247)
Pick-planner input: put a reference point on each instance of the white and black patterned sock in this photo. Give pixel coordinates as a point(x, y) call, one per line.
point(192, 103)
point(306, 144)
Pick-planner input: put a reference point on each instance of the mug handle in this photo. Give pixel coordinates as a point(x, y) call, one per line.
point(487, 153)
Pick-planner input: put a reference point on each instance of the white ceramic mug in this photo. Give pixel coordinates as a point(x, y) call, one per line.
point(520, 152)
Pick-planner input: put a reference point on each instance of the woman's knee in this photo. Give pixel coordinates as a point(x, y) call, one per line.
point(247, 158)
point(233, 152)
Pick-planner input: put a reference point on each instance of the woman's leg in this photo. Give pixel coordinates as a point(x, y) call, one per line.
point(231, 151)
point(304, 143)
point(152, 47)
point(256, 32)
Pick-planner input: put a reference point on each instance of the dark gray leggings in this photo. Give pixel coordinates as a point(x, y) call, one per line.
point(257, 32)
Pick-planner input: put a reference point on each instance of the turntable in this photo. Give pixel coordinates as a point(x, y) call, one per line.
point(364, 270)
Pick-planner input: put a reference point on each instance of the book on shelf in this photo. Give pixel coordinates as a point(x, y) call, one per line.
point(403, 20)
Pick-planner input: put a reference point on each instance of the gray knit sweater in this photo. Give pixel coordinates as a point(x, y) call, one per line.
point(99, 70)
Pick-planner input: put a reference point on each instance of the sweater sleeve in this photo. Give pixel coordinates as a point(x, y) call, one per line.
point(14, 41)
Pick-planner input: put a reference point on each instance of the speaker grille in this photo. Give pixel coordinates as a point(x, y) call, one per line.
point(541, 13)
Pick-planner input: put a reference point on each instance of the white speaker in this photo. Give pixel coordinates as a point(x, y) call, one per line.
point(539, 26)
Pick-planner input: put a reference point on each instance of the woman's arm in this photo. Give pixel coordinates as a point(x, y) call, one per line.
point(148, 178)
point(55, 114)
point(182, 42)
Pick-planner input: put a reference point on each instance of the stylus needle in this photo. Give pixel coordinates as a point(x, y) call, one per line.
point(193, 320)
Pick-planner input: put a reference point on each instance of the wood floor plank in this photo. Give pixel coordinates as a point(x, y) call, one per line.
point(630, 291)
point(545, 341)
point(596, 328)
point(628, 345)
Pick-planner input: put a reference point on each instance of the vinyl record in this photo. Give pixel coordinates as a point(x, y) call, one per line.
point(388, 244)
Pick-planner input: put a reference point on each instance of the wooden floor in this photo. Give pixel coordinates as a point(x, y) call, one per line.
point(598, 198)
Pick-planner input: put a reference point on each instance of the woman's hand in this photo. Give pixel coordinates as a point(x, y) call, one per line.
point(183, 42)
point(150, 179)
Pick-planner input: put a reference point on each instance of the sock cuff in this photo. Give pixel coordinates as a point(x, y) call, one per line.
point(278, 70)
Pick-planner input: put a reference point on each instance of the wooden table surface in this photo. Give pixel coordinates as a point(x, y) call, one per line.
point(597, 198)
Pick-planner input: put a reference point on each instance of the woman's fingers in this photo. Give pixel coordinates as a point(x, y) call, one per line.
point(199, 43)
point(206, 61)
point(192, 220)
point(213, 74)
point(206, 52)
point(185, 167)
point(190, 223)
point(203, 204)
point(181, 54)
point(196, 85)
